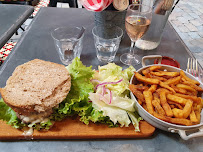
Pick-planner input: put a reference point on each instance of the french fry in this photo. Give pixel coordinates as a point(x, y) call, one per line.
point(195, 106)
point(175, 104)
point(179, 121)
point(193, 86)
point(187, 109)
point(177, 99)
point(158, 107)
point(193, 98)
point(140, 102)
point(193, 117)
point(137, 93)
point(172, 106)
point(145, 79)
point(152, 89)
point(179, 90)
point(188, 79)
point(165, 105)
point(165, 73)
point(183, 79)
point(186, 87)
point(152, 68)
point(139, 87)
point(201, 101)
point(198, 108)
point(162, 89)
point(167, 77)
point(156, 97)
point(159, 78)
point(175, 80)
point(144, 106)
point(191, 93)
point(146, 71)
point(197, 113)
point(185, 112)
point(178, 113)
point(162, 84)
point(148, 100)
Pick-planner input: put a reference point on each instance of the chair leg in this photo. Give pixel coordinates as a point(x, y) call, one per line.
point(73, 3)
point(52, 3)
point(22, 28)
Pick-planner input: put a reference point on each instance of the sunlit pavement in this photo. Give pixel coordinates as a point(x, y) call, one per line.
point(187, 20)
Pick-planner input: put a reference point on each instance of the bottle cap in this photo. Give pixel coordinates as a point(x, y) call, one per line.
point(121, 5)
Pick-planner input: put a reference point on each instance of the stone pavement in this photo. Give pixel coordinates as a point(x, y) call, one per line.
point(187, 20)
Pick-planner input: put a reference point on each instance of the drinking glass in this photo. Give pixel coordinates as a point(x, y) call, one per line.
point(107, 40)
point(68, 42)
point(160, 13)
point(137, 21)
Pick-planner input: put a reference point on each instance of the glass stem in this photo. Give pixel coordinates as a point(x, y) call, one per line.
point(132, 48)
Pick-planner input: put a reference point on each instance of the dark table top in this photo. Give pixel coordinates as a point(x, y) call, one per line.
point(37, 43)
point(11, 17)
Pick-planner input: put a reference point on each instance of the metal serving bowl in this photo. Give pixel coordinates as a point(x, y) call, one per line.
point(194, 130)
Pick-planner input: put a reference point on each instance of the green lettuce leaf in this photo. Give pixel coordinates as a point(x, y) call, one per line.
point(8, 115)
point(121, 109)
point(117, 115)
point(42, 125)
point(96, 116)
point(112, 73)
point(128, 73)
point(135, 118)
point(76, 101)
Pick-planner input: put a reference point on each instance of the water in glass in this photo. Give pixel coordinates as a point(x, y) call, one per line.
point(106, 52)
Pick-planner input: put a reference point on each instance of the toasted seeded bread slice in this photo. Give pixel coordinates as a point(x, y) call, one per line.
point(36, 86)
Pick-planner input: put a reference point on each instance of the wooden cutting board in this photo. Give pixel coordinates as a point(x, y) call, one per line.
point(74, 129)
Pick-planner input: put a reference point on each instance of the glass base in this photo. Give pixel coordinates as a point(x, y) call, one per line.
point(129, 59)
point(146, 44)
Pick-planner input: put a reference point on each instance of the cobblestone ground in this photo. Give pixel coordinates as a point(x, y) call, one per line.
point(187, 20)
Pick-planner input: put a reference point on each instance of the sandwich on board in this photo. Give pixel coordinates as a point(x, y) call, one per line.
point(35, 88)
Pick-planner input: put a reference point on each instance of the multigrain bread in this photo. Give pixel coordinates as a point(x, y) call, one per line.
point(36, 87)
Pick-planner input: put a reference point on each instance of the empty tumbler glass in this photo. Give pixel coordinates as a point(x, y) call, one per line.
point(68, 42)
point(107, 41)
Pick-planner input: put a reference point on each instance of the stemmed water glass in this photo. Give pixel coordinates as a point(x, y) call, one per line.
point(137, 21)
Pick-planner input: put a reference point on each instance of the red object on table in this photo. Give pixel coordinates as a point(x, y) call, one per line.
point(5, 50)
point(168, 61)
point(96, 5)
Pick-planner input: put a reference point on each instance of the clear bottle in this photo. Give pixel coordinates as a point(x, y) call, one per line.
point(152, 38)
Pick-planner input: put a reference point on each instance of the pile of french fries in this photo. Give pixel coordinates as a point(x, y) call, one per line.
point(169, 96)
